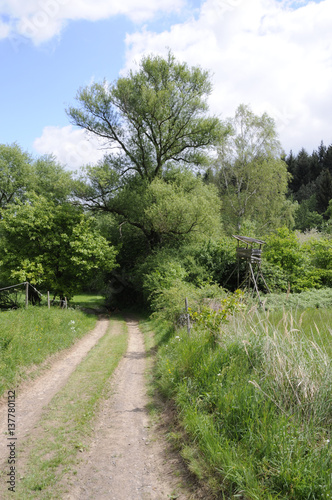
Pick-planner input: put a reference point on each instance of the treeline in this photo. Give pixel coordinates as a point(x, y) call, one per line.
point(46, 237)
point(310, 185)
point(156, 215)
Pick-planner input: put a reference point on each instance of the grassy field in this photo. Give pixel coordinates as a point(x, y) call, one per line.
point(28, 336)
point(256, 408)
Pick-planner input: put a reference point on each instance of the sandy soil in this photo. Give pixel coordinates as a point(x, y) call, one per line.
point(127, 460)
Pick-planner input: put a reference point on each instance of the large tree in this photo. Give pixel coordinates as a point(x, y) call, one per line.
point(251, 175)
point(153, 122)
point(151, 117)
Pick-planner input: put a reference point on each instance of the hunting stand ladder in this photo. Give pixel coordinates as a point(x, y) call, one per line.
point(253, 259)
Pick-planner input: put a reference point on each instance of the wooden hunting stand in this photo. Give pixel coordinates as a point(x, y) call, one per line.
point(253, 258)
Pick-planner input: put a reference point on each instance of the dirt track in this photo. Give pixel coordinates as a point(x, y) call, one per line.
point(32, 397)
point(126, 459)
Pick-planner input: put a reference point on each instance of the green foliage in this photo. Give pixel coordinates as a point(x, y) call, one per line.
point(167, 273)
point(170, 302)
point(216, 258)
point(305, 265)
point(276, 278)
point(283, 250)
point(53, 246)
point(176, 208)
point(15, 174)
point(311, 185)
point(21, 176)
point(250, 174)
point(51, 180)
point(154, 116)
point(156, 121)
point(306, 216)
point(212, 319)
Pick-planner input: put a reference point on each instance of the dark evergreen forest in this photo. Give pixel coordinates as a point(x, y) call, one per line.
point(311, 186)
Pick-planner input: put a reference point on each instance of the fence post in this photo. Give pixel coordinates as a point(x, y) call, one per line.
point(26, 294)
point(48, 300)
point(188, 317)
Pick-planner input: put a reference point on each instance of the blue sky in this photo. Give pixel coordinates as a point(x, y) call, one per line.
point(274, 55)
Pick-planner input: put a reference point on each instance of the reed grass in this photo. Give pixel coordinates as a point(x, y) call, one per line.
point(258, 408)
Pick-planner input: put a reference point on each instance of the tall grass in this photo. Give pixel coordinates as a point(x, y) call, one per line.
point(28, 336)
point(258, 408)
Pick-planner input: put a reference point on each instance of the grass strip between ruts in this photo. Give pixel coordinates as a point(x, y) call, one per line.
point(68, 420)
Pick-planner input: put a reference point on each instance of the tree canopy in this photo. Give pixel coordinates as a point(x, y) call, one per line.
point(154, 116)
point(21, 175)
point(16, 173)
point(251, 175)
point(53, 246)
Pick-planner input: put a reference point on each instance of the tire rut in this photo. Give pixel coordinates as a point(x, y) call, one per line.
point(125, 460)
point(31, 400)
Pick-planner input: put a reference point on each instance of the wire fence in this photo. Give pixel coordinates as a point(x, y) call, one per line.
point(25, 294)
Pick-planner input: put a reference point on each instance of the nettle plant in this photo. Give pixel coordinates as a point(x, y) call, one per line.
point(211, 320)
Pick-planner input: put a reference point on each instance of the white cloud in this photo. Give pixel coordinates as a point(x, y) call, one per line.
point(73, 148)
point(5, 30)
point(40, 20)
point(263, 53)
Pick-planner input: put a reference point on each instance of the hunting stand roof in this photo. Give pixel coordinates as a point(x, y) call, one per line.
point(249, 241)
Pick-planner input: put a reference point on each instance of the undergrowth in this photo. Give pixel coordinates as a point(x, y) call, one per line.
point(256, 406)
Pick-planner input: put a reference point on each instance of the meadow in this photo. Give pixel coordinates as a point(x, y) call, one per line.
point(254, 408)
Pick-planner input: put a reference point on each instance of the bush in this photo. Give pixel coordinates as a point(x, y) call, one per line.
point(303, 265)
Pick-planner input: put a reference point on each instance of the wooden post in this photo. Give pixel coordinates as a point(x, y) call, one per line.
point(65, 302)
point(48, 300)
point(188, 317)
point(26, 294)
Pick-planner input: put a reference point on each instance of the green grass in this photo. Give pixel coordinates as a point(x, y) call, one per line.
point(256, 408)
point(68, 421)
point(310, 299)
point(88, 300)
point(28, 336)
point(314, 323)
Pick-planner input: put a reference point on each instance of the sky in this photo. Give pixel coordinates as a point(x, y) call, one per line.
point(273, 55)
